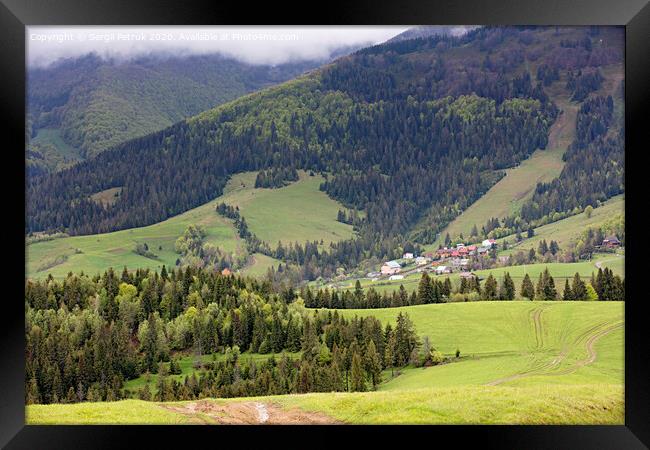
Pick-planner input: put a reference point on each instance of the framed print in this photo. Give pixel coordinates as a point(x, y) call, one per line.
point(395, 221)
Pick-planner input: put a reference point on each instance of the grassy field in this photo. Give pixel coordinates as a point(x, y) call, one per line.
point(259, 265)
point(559, 272)
point(521, 363)
point(566, 231)
point(572, 404)
point(280, 214)
point(53, 137)
point(98, 252)
point(272, 214)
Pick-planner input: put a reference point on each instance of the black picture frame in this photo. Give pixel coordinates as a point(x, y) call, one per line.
point(634, 15)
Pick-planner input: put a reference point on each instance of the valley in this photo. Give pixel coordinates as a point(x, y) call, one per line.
point(333, 246)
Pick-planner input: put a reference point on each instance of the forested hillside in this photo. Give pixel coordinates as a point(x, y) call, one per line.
point(408, 131)
point(92, 104)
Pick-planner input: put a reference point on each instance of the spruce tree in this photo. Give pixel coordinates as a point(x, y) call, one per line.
point(424, 290)
point(579, 289)
point(372, 364)
point(357, 382)
point(568, 293)
point(490, 288)
point(507, 288)
point(527, 289)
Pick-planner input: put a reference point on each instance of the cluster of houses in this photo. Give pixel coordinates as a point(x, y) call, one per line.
point(455, 259)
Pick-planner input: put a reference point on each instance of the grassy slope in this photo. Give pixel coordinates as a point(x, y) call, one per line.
point(53, 136)
point(259, 265)
point(559, 272)
point(273, 214)
point(280, 214)
point(497, 339)
point(565, 231)
point(590, 404)
point(509, 194)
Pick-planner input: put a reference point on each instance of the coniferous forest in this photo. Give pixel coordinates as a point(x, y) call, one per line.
point(400, 138)
point(408, 132)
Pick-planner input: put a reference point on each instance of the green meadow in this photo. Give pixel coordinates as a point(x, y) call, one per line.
point(298, 212)
point(272, 214)
point(566, 231)
point(520, 363)
point(559, 271)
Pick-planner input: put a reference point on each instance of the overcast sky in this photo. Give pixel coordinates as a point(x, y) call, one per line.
point(257, 45)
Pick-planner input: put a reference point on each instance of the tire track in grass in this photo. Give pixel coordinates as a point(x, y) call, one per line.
point(592, 335)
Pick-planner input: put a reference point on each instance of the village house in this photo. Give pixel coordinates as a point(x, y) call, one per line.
point(611, 242)
point(407, 256)
point(489, 243)
point(460, 262)
point(396, 277)
point(442, 269)
point(390, 268)
point(421, 260)
point(372, 274)
point(468, 275)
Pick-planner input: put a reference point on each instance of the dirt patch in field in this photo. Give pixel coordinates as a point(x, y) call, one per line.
point(248, 413)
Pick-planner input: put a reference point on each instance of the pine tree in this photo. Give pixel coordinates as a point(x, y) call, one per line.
point(145, 393)
point(579, 289)
point(507, 288)
point(527, 289)
point(490, 288)
point(372, 364)
point(567, 294)
point(548, 291)
point(356, 374)
point(425, 292)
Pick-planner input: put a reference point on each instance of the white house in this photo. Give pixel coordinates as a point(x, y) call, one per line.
point(489, 243)
point(442, 269)
point(390, 268)
point(407, 256)
point(396, 277)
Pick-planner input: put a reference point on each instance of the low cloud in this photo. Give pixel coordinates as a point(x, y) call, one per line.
point(254, 45)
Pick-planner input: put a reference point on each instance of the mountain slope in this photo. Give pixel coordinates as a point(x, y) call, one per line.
point(94, 104)
point(414, 131)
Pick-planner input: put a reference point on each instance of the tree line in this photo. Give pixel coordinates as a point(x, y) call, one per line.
point(85, 336)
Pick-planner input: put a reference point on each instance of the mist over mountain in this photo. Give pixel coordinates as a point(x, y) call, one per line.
point(424, 31)
point(79, 107)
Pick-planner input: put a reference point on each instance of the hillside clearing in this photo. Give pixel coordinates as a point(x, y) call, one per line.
point(272, 214)
point(281, 214)
point(566, 231)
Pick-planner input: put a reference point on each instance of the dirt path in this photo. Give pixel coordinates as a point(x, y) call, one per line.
point(248, 413)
